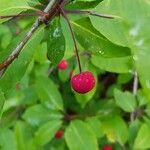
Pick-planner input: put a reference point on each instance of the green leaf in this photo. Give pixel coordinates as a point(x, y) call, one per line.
point(69, 45)
point(142, 139)
point(48, 93)
point(13, 7)
point(83, 4)
point(7, 135)
point(55, 41)
point(125, 100)
point(46, 132)
point(17, 69)
point(90, 39)
point(124, 78)
point(23, 134)
point(79, 137)
point(39, 114)
point(117, 65)
point(134, 127)
point(95, 126)
point(115, 129)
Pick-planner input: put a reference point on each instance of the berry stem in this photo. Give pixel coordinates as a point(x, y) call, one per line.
point(73, 36)
point(91, 13)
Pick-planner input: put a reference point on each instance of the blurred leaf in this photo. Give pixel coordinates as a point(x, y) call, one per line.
point(129, 30)
point(79, 136)
point(124, 78)
point(125, 100)
point(23, 136)
point(142, 139)
point(46, 132)
point(116, 65)
point(133, 131)
point(48, 93)
point(38, 114)
point(13, 75)
point(13, 7)
point(141, 98)
point(115, 129)
point(7, 140)
point(83, 4)
point(95, 126)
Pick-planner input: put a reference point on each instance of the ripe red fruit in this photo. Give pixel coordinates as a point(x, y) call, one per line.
point(107, 147)
point(63, 64)
point(83, 82)
point(59, 134)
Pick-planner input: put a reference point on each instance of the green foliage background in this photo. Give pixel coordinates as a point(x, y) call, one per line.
point(36, 97)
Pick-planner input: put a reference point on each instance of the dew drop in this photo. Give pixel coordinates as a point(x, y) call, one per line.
point(56, 33)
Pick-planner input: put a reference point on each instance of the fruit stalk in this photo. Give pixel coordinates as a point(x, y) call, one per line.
point(73, 37)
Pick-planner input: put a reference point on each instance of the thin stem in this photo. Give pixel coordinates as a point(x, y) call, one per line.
point(135, 84)
point(15, 53)
point(91, 13)
point(134, 91)
point(24, 15)
point(73, 37)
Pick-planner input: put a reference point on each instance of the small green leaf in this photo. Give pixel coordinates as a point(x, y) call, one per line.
point(113, 64)
point(13, 7)
point(55, 41)
point(23, 134)
point(48, 93)
point(142, 139)
point(80, 137)
point(7, 139)
point(133, 131)
point(39, 114)
point(115, 129)
point(96, 126)
point(125, 100)
point(46, 132)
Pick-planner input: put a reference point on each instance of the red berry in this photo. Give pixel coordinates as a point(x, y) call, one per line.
point(59, 134)
point(107, 147)
point(63, 65)
point(83, 82)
